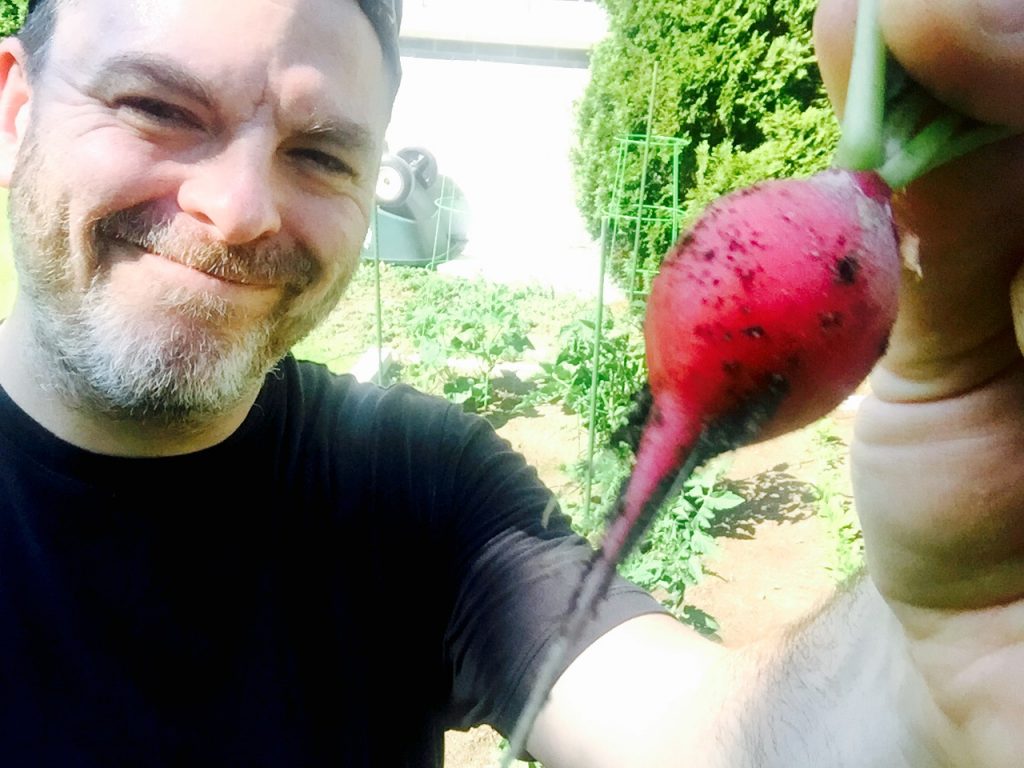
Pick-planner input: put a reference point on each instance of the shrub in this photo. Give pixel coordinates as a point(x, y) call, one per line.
point(737, 86)
point(11, 14)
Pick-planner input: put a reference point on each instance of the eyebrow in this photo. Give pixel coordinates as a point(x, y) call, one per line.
point(149, 69)
point(341, 132)
point(165, 73)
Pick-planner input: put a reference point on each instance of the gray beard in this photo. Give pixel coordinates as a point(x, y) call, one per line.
point(174, 371)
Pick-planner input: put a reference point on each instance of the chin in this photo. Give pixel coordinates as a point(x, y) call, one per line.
point(172, 365)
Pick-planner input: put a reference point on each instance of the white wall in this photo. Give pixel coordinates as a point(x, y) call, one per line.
point(503, 132)
point(571, 24)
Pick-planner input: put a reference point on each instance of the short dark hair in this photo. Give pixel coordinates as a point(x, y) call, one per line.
point(384, 15)
point(37, 31)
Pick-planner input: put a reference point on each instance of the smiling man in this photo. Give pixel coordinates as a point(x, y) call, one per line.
point(206, 544)
point(211, 554)
point(186, 204)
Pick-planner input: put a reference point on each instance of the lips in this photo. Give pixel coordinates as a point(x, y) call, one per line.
point(210, 263)
point(260, 264)
point(230, 275)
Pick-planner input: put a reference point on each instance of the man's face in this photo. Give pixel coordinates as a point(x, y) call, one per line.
point(192, 192)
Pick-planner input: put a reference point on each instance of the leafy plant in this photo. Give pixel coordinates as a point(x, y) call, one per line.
point(462, 331)
point(449, 335)
point(672, 556)
point(11, 14)
point(834, 503)
point(568, 380)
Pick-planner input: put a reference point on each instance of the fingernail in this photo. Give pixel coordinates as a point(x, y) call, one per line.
point(1001, 16)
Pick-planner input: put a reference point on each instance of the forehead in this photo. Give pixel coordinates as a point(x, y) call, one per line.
point(295, 51)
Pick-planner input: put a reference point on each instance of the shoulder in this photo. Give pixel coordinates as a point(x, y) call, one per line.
point(317, 400)
point(369, 431)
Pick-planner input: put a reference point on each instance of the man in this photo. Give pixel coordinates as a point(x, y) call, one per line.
point(204, 551)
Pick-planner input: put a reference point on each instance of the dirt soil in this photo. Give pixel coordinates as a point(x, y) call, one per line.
point(772, 566)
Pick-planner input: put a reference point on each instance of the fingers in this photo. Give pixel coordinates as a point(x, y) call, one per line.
point(969, 53)
point(1017, 306)
point(834, 22)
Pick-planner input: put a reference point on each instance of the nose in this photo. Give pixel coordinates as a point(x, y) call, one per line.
point(233, 193)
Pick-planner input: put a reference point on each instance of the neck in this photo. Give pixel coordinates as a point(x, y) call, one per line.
point(24, 376)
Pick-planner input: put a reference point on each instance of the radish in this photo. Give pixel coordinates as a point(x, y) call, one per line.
point(773, 307)
point(765, 316)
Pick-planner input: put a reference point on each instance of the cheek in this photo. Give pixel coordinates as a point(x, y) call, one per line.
point(336, 232)
point(112, 175)
point(105, 177)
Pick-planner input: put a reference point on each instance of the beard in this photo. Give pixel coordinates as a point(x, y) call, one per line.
point(175, 361)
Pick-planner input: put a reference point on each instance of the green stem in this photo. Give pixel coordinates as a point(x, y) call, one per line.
point(947, 137)
point(861, 145)
point(914, 157)
point(891, 124)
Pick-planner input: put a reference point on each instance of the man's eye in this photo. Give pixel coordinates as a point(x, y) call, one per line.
point(323, 161)
point(159, 111)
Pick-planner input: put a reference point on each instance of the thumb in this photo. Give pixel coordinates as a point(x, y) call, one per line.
point(968, 53)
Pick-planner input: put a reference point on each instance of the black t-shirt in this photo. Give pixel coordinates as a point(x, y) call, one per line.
point(352, 572)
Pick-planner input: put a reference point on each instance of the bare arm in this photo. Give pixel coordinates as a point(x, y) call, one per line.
point(834, 691)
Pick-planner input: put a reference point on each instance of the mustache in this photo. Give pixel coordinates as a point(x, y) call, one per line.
point(264, 263)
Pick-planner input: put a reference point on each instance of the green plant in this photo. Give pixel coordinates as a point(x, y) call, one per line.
point(671, 557)
point(462, 330)
point(568, 379)
point(447, 333)
point(833, 501)
point(11, 14)
point(735, 83)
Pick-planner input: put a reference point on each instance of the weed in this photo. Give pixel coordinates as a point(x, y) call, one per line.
point(834, 503)
point(569, 379)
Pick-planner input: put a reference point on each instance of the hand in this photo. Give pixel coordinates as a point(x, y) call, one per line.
point(938, 460)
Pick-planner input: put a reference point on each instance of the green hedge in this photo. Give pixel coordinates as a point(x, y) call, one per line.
point(11, 14)
point(737, 84)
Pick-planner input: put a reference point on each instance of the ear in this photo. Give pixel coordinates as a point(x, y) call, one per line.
point(15, 100)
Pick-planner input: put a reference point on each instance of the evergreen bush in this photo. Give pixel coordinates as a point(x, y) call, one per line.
point(11, 14)
point(737, 84)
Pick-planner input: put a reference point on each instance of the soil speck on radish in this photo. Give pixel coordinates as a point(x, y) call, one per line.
point(831, 320)
point(846, 269)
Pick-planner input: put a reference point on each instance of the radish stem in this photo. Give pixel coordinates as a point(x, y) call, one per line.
point(861, 145)
point(884, 127)
point(940, 142)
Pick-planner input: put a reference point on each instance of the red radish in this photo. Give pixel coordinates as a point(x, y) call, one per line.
point(768, 313)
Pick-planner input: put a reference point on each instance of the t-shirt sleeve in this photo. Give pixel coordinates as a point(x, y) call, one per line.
point(517, 566)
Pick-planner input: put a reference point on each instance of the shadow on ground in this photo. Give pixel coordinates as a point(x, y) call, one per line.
point(771, 496)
